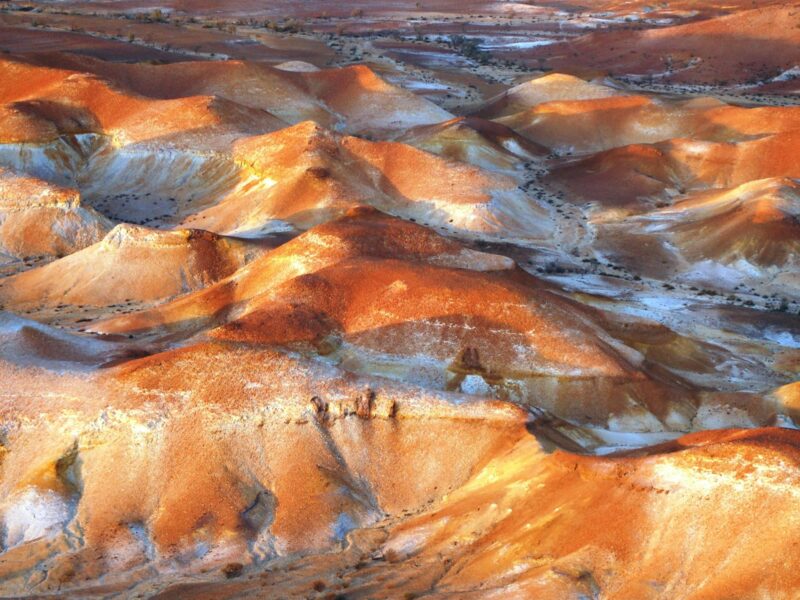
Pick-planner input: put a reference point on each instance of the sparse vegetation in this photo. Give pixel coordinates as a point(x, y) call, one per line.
point(156, 16)
point(470, 48)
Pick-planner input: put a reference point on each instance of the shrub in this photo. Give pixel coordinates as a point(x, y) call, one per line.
point(157, 16)
point(470, 48)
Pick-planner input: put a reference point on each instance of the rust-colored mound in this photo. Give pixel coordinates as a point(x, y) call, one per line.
point(250, 465)
point(130, 265)
point(592, 125)
point(474, 528)
point(353, 98)
point(632, 178)
point(304, 175)
point(583, 126)
point(42, 219)
point(236, 463)
point(293, 179)
point(583, 526)
point(473, 140)
point(547, 88)
point(55, 102)
point(368, 102)
point(756, 222)
point(639, 177)
point(729, 165)
point(381, 296)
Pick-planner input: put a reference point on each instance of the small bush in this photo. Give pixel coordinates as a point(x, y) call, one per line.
point(156, 16)
point(470, 48)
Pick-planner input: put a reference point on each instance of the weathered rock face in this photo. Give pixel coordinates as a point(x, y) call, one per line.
point(158, 265)
point(139, 472)
point(381, 296)
point(297, 332)
point(144, 468)
point(40, 219)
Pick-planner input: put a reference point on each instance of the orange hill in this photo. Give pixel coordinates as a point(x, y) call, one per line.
point(584, 126)
point(304, 175)
point(345, 289)
point(639, 177)
point(473, 140)
point(38, 218)
point(130, 264)
point(756, 221)
point(353, 99)
point(258, 464)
